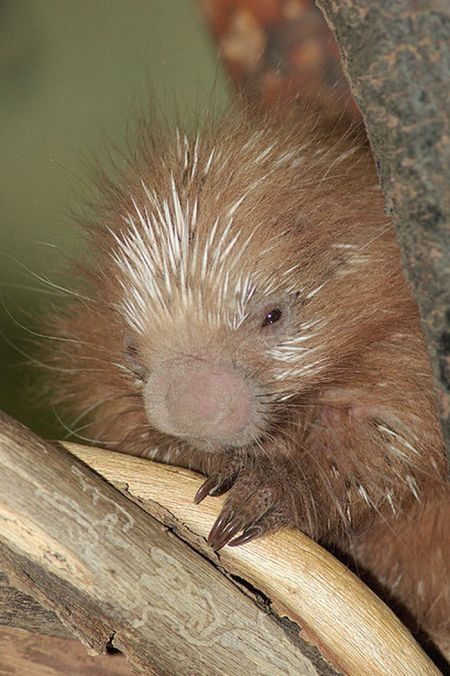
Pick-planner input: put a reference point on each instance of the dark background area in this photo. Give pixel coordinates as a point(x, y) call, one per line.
point(73, 73)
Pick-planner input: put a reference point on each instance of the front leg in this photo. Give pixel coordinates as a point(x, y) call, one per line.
point(261, 498)
point(349, 471)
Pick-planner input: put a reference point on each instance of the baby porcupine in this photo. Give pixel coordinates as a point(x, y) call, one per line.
point(247, 317)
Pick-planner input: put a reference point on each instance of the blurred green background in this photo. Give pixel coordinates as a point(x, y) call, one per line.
point(71, 73)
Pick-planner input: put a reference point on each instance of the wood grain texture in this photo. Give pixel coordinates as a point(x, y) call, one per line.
point(304, 583)
point(397, 59)
point(23, 653)
point(108, 569)
point(22, 611)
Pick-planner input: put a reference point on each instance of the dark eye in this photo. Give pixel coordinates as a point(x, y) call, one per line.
point(272, 317)
point(133, 358)
point(132, 351)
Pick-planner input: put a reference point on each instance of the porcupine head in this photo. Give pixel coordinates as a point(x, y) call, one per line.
point(207, 267)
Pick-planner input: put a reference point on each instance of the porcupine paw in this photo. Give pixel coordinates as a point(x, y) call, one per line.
point(255, 506)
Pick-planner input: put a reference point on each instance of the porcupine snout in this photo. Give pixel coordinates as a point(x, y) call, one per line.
point(195, 398)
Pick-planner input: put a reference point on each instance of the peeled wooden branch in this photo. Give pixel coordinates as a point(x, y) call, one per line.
point(109, 569)
point(396, 56)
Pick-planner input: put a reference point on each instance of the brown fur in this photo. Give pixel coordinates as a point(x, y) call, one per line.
point(348, 450)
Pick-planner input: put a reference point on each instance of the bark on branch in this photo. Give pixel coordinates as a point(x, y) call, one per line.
point(23, 653)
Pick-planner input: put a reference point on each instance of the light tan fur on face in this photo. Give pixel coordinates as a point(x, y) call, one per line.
point(198, 241)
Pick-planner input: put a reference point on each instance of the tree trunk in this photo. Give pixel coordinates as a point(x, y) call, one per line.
point(397, 59)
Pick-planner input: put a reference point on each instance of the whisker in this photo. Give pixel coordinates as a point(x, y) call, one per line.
point(78, 436)
point(28, 330)
point(26, 287)
point(46, 281)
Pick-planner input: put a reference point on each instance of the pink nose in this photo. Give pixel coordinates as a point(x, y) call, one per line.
point(195, 398)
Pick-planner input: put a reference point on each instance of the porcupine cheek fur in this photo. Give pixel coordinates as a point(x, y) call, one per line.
point(198, 399)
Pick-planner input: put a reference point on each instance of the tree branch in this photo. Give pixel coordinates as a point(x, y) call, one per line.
point(89, 552)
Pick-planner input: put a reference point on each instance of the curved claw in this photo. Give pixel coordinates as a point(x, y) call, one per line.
point(224, 529)
point(214, 486)
point(227, 534)
point(206, 489)
point(248, 534)
point(220, 523)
